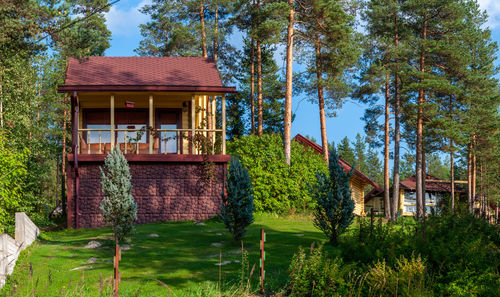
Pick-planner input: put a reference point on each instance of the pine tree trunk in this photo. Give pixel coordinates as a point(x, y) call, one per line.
point(203, 31)
point(260, 124)
point(252, 86)
point(496, 213)
point(321, 101)
point(452, 177)
point(397, 136)
point(424, 177)
point(1, 97)
point(63, 161)
point(387, 201)
point(289, 81)
point(482, 208)
point(419, 148)
point(216, 32)
point(469, 177)
point(474, 170)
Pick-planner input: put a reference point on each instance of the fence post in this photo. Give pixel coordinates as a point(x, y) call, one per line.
point(262, 259)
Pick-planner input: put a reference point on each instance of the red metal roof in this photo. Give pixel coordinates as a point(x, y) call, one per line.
point(143, 74)
point(431, 184)
point(319, 149)
point(375, 192)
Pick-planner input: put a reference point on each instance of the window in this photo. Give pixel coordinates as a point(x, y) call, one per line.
point(93, 136)
point(132, 136)
point(432, 209)
point(96, 119)
point(169, 140)
point(124, 119)
point(410, 197)
point(410, 208)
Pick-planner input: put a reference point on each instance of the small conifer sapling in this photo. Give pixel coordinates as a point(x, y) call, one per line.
point(334, 209)
point(237, 200)
point(118, 207)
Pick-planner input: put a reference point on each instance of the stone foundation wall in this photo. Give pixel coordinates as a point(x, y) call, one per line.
point(164, 191)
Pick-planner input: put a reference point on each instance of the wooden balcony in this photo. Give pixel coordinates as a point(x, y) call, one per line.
point(151, 141)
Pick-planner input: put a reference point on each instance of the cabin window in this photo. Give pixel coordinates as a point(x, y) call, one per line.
point(410, 197)
point(99, 121)
point(124, 119)
point(93, 136)
point(410, 208)
point(433, 197)
point(170, 141)
point(131, 120)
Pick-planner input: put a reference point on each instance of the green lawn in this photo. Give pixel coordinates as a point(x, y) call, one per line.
point(183, 258)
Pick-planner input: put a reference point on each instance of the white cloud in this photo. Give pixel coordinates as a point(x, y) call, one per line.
point(125, 21)
point(492, 8)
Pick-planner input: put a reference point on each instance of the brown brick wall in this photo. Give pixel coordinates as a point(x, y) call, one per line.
point(164, 191)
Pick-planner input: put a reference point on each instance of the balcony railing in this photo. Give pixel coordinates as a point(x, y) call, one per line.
point(151, 141)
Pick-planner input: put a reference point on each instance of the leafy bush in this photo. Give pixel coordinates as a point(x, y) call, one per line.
point(334, 209)
point(237, 202)
point(278, 187)
point(461, 252)
point(316, 275)
point(406, 278)
point(12, 175)
point(455, 246)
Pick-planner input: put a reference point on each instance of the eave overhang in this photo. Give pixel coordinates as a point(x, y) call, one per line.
point(136, 88)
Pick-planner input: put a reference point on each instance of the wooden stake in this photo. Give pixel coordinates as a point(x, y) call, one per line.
point(117, 259)
point(262, 259)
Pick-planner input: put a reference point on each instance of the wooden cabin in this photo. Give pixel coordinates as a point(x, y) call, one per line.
point(167, 115)
point(436, 191)
point(357, 183)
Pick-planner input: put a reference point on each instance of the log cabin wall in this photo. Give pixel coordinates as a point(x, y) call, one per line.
point(357, 187)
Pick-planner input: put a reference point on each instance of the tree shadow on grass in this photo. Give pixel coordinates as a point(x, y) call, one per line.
point(182, 255)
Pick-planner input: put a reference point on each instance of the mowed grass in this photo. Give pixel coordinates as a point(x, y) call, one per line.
point(181, 261)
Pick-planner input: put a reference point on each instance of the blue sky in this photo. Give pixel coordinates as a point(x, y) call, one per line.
point(124, 18)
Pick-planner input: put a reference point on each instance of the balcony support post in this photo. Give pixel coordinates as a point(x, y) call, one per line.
point(223, 107)
point(76, 140)
point(112, 113)
point(151, 125)
point(193, 124)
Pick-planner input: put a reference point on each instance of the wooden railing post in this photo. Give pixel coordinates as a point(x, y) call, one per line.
point(112, 112)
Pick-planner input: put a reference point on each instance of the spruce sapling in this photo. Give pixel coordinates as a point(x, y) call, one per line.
point(237, 203)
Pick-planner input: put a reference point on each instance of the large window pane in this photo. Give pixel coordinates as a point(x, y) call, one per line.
point(410, 208)
point(410, 197)
point(168, 139)
point(93, 136)
point(132, 137)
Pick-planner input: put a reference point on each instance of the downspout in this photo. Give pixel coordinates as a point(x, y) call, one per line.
point(75, 156)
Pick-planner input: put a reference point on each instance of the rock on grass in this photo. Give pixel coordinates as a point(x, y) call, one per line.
point(93, 244)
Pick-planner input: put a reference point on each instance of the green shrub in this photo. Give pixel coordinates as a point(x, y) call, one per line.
point(316, 275)
point(460, 245)
point(278, 187)
point(237, 201)
point(406, 278)
point(12, 176)
point(461, 252)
